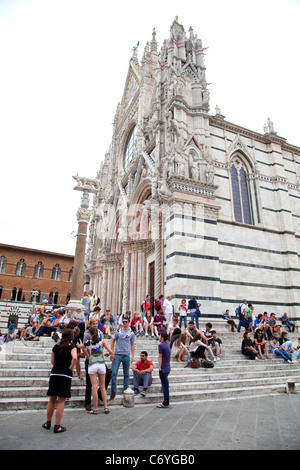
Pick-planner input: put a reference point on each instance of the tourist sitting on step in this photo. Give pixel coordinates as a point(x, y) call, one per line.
point(191, 332)
point(275, 348)
point(160, 324)
point(286, 343)
point(198, 348)
point(136, 324)
point(107, 321)
point(50, 327)
point(296, 350)
point(172, 326)
point(216, 346)
point(260, 343)
point(286, 322)
point(274, 328)
point(258, 322)
point(229, 320)
point(148, 323)
point(179, 348)
point(142, 374)
point(248, 348)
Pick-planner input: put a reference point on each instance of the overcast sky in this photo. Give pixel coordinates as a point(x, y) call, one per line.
point(63, 70)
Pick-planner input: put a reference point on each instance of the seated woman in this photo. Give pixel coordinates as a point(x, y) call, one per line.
point(179, 348)
point(248, 348)
point(107, 321)
point(148, 323)
point(198, 348)
point(260, 343)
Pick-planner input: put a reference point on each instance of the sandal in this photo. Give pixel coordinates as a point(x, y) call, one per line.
point(106, 411)
point(59, 428)
point(93, 412)
point(161, 406)
point(46, 425)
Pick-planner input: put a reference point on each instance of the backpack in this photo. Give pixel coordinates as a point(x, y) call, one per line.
point(157, 305)
point(206, 363)
point(238, 311)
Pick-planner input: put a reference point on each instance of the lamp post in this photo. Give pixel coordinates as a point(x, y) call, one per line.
point(83, 216)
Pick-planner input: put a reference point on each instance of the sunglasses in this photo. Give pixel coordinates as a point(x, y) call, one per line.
point(125, 321)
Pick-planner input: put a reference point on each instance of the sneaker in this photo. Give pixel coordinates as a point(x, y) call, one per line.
point(146, 334)
point(136, 391)
point(144, 392)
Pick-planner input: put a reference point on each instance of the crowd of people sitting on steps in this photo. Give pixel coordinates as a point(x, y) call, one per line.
point(83, 334)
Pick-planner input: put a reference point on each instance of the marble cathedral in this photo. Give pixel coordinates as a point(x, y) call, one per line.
point(191, 204)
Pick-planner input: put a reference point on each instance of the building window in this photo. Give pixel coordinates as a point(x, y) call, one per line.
point(129, 148)
point(55, 300)
point(1, 292)
point(70, 275)
point(39, 270)
point(21, 268)
point(2, 265)
point(56, 271)
point(240, 192)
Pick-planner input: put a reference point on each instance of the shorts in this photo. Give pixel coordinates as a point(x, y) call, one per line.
point(97, 368)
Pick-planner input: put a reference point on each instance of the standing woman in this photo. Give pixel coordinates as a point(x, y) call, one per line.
point(63, 359)
point(97, 367)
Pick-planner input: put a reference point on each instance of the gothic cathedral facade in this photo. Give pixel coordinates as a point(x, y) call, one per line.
point(192, 205)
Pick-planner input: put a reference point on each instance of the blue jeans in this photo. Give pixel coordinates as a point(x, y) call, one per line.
point(145, 380)
point(289, 325)
point(283, 354)
point(45, 330)
point(165, 386)
point(125, 360)
point(244, 323)
point(180, 321)
point(195, 319)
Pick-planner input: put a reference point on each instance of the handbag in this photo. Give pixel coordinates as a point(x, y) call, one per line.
point(195, 363)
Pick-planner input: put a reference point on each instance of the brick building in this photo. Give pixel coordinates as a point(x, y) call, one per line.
point(23, 270)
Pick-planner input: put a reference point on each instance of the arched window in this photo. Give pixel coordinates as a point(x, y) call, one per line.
point(55, 300)
point(56, 273)
point(39, 270)
point(13, 294)
point(129, 148)
point(240, 192)
point(2, 265)
point(21, 268)
point(70, 274)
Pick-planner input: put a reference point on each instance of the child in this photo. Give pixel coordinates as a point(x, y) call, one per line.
point(182, 313)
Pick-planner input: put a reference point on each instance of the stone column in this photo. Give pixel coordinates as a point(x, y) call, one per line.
point(87, 186)
point(83, 216)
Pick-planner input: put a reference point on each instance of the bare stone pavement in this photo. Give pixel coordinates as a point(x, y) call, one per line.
point(258, 423)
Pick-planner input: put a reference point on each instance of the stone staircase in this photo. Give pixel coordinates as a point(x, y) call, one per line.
point(25, 367)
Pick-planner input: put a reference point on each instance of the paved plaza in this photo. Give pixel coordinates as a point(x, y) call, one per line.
point(260, 423)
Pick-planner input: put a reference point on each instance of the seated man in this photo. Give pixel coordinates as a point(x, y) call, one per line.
point(48, 329)
point(142, 374)
point(191, 332)
point(286, 322)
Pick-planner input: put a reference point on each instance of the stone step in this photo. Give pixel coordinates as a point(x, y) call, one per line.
point(36, 403)
point(38, 387)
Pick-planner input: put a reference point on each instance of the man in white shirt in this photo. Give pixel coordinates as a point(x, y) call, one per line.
point(168, 307)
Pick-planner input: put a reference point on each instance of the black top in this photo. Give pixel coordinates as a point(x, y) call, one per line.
point(246, 344)
point(63, 359)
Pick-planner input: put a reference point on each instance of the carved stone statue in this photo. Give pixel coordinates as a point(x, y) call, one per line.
point(83, 183)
